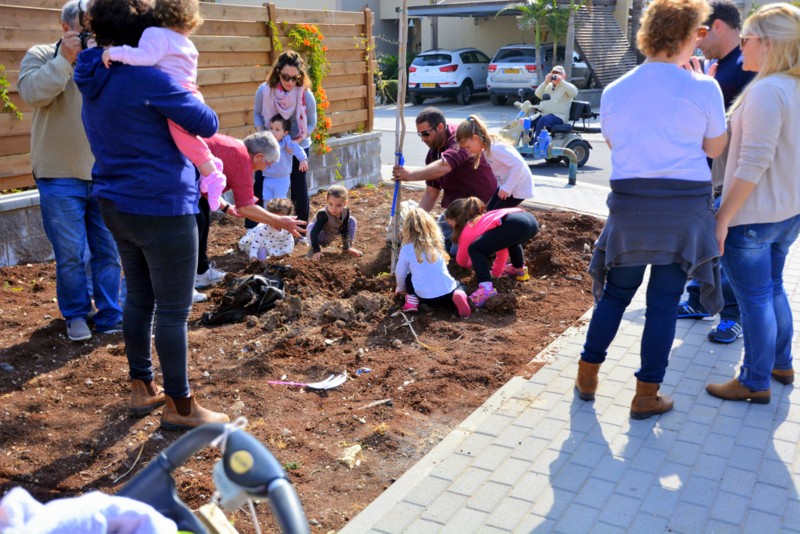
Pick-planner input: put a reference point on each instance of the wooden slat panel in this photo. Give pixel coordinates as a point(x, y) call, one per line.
point(233, 59)
point(231, 89)
point(333, 43)
point(332, 80)
point(343, 93)
point(342, 55)
point(22, 106)
point(352, 67)
point(349, 127)
point(359, 115)
point(11, 58)
point(26, 17)
point(16, 165)
point(231, 103)
point(17, 182)
point(236, 118)
point(239, 132)
point(17, 144)
point(23, 39)
point(299, 16)
point(205, 43)
point(347, 105)
point(233, 28)
point(49, 4)
point(12, 76)
point(11, 125)
point(224, 75)
point(231, 12)
point(328, 30)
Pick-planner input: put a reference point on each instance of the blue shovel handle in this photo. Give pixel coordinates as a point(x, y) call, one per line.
point(401, 162)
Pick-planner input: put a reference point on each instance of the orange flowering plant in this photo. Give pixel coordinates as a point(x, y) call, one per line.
point(307, 39)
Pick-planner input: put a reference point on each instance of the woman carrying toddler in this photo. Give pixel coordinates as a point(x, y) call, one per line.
point(167, 47)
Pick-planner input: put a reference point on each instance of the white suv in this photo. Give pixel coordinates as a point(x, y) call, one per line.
point(459, 72)
point(514, 67)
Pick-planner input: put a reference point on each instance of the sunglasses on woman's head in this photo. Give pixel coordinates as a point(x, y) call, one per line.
point(287, 78)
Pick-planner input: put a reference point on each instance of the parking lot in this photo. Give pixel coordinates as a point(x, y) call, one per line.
point(596, 171)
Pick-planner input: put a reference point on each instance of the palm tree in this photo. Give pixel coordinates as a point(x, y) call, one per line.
point(531, 15)
point(570, 41)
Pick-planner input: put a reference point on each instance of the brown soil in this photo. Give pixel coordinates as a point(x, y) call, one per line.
point(64, 428)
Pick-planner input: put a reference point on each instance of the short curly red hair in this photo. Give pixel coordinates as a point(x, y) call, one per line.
point(666, 25)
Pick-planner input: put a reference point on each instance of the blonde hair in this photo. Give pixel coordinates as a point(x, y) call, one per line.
point(463, 211)
point(666, 25)
point(778, 27)
point(421, 230)
point(337, 191)
point(181, 14)
point(475, 126)
point(280, 206)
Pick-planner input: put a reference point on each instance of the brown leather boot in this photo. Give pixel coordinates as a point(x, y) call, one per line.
point(736, 391)
point(784, 376)
point(185, 414)
point(586, 381)
point(145, 397)
point(647, 402)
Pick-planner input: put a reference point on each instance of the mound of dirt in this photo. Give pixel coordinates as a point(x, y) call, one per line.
point(64, 428)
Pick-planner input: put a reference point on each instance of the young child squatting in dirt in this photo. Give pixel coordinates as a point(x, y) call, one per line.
point(332, 220)
point(421, 269)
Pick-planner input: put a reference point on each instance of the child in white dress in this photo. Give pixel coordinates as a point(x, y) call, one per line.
point(263, 241)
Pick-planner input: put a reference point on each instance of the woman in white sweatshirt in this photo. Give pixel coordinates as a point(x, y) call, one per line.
point(759, 218)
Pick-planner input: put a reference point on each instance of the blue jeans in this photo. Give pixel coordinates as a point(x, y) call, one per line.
point(754, 258)
point(730, 311)
point(72, 222)
point(663, 294)
point(159, 255)
point(542, 122)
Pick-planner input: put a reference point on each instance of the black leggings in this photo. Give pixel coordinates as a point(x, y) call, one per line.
point(203, 217)
point(438, 302)
point(517, 228)
point(496, 203)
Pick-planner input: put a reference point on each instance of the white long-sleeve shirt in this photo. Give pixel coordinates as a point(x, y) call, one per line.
point(430, 280)
point(167, 50)
point(512, 173)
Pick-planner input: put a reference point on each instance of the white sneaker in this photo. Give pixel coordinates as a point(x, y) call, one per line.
point(209, 278)
point(199, 297)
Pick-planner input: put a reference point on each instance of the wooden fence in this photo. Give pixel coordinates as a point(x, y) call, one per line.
point(236, 54)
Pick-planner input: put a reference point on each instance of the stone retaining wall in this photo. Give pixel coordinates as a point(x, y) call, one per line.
point(22, 237)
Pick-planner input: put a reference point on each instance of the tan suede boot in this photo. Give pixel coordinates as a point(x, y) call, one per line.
point(736, 391)
point(647, 402)
point(185, 414)
point(145, 397)
point(784, 376)
point(586, 381)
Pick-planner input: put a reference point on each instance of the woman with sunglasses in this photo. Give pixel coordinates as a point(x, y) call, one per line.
point(661, 122)
point(759, 218)
point(285, 93)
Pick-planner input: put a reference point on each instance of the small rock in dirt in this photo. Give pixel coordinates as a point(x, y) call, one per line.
point(587, 247)
point(285, 432)
point(340, 324)
point(258, 344)
point(574, 277)
point(89, 382)
point(351, 456)
point(47, 316)
point(206, 374)
point(360, 354)
point(252, 321)
point(396, 343)
point(330, 341)
point(368, 302)
point(313, 522)
point(337, 310)
point(157, 436)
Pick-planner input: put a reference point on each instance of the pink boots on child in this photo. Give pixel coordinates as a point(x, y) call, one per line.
point(462, 304)
point(213, 185)
point(484, 292)
point(520, 274)
point(411, 304)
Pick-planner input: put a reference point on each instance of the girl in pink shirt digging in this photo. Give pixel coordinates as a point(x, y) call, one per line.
point(479, 234)
point(168, 48)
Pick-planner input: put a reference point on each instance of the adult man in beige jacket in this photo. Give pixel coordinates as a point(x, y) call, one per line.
point(62, 166)
point(556, 95)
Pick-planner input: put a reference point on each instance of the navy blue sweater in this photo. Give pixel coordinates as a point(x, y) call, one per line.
point(125, 111)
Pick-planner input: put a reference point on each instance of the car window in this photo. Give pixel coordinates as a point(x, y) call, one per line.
point(467, 57)
point(432, 60)
point(481, 57)
point(514, 54)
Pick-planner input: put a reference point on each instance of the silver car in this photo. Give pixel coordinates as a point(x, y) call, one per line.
point(459, 73)
point(514, 67)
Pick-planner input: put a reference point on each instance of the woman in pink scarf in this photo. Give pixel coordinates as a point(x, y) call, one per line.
point(286, 93)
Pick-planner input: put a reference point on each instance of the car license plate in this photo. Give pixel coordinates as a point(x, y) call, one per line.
point(428, 85)
point(511, 71)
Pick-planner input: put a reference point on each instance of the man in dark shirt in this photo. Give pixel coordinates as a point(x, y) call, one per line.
point(448, 167)
point(722, 44)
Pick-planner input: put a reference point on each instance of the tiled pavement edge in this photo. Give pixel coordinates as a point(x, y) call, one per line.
point(534, 458)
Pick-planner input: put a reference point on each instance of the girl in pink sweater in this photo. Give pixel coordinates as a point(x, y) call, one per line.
point(168, 48)
point(479, 234)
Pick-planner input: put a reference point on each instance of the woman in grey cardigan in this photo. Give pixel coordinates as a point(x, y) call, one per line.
point(759, 218)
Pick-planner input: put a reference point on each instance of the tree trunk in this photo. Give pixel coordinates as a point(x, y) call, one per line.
point(637, 8)
point(570, 44)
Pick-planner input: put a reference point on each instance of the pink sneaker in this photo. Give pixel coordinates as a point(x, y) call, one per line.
point(213, 185)
point(482, 294)
point(462, 304)
point(520, 274)
point(412, 304)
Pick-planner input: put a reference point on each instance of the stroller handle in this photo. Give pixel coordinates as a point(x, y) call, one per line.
point(261, 476)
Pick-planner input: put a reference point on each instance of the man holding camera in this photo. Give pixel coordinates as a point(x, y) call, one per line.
point(62, 166)
point(556, 95)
